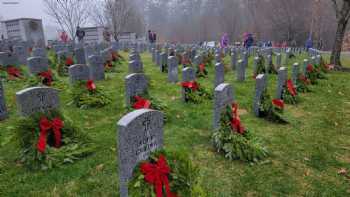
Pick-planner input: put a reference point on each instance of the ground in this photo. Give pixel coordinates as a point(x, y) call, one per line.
point(308, 157)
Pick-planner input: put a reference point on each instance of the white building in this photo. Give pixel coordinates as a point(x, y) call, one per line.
point(95, 34)
point(24, 29)
point(127, 37)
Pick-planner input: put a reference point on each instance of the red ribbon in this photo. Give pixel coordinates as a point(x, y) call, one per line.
point(69, 61)
point(291, 88)
point(90, 85)
point(157, 175)
point(13, 72)
point(193, 85)
point(47, 76)
point(108, 64)
point(202, 68)
point(45, 126)
point(310, 68)
point(141, 103)
point(278, 103)
point(236, 121)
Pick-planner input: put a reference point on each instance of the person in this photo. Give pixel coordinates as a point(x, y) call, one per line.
point(248, 40)
point(154, 37)
point(64, 37)
point(224, 41)
point(308, 43)
point(80, 34)
point(150, 36)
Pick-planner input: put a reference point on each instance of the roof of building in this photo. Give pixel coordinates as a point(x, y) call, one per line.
point(17, 19)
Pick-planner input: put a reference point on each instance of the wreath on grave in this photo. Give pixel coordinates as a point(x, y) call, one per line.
point(186, 62)
point(271, 69)
point(208, 59)
point(117, 58)
point(165, 173)
point(11, 73)
point(46, 78)
point(145, 101)
point(271, 110)
point(289, 93)
point(235, 141)
point(325, 68)
point(50, 140)
point(201, 71)
point(303, 83)
point(111, 65)
point(63, 64)
point(313, 73)
point(260, 66)
point(85, 95)
point(195, 93)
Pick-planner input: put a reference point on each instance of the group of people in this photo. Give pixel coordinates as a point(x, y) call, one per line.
point(152, 37)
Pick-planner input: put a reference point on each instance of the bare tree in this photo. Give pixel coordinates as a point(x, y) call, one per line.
point(68, 14)
point(342, 10)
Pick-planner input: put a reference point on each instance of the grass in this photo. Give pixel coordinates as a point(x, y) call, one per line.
point(306, 154)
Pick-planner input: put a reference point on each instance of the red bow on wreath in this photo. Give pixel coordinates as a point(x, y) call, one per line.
point(190, 84)
point(202, 68)
point(278, 103)
point(141, 103)
point(69, 61)
point(304, 79)
point(45, 126)
point(108, 64)
point(115, 56)
point(90, 85)
point(310, 68)
point(236, 121)
point(157, 175)
point(291, 88)
point(47, 77)
point(13, 72)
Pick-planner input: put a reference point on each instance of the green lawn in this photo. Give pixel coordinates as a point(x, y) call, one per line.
point(306, 155)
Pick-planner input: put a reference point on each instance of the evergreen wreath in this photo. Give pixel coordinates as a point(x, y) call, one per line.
point(50, 140)
point(85, 95)
point(11, 73)
point(201, 71)
point(271, 110)
point(289, 93)
point(303, 83)
point(165, 173)
point(46, 78)
point(260, 66)
point(63, 64)
point(195, 93)
point(235, 141)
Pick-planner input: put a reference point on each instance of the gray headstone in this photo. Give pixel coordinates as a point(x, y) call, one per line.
point(97, 70)
point(219, 74)
point(78, 72)
point(281, 83)
point(241, 70)
point(303, 70)
point(3, 109)
point(80, 56)
point(135, 84)
point(278, 60)
point(39, 52)
point(8, 59)
point(135, 66)
point(158, 58)
point(223, 97)
point(37, 99)
point(21, 53)
point(255, 66)
point(139, 134)
point(233, 60)
point(295, 73)
point(173, 71)
point(261, 85)
point(37, 65)
point(217, 58)
point(163, 61)
point(268, 63)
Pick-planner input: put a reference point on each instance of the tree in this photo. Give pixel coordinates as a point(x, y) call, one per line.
point(342, 10)
point(68, 14)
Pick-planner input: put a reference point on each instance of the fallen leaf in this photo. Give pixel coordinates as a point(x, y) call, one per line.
point(99, 168)
point(342, 171)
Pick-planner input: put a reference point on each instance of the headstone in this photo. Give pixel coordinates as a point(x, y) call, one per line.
point(139, 134)
point(80, 55)
point(135, 84)
point(21, 53)
point(96, 66)
point(37, 99)
point(282, 79)
point(78, 72)
point(278, 60)
point(158, 58)
point(37, 65)
point(217, 58)
point(261, 85)
point(240, 70)
point(255, 66)
point(135, 67)
point(173, 71)
point(219, 74)
point(8, 59)
point(223, 97)
point(295, 73)
point(268, 63)
point(39, 52)
point(164, 61)
point(303, 70)
point(3, 109)
point(233, 60)
point(188, 74)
